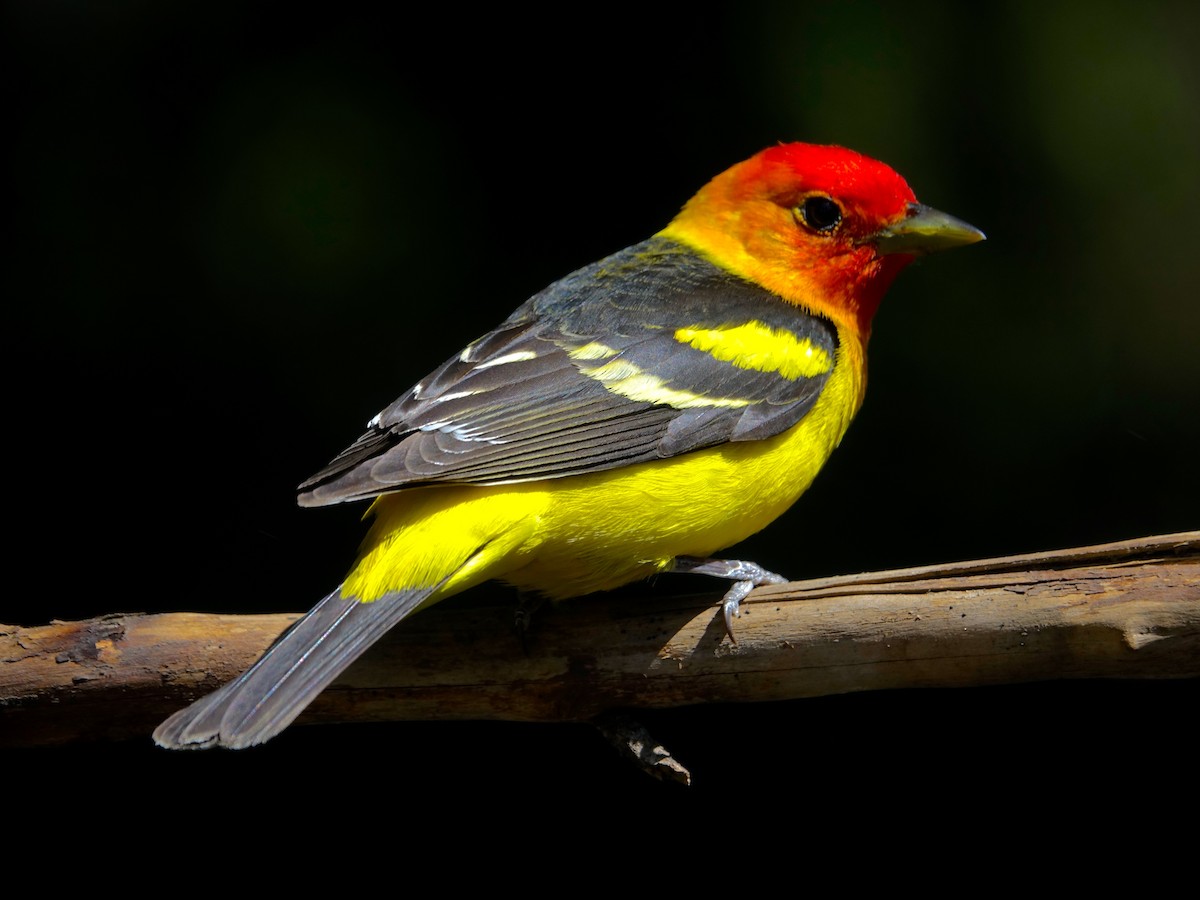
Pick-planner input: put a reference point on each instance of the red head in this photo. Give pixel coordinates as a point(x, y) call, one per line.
point(823, 227)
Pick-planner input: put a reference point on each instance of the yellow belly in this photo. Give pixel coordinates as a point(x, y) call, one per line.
point(575, 535)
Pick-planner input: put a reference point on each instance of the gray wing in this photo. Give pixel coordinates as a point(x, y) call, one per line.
point(586, 376)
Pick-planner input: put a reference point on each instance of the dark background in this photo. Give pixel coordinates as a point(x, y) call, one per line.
point(238, 231)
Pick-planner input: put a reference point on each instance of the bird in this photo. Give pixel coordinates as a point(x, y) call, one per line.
point(633, 418)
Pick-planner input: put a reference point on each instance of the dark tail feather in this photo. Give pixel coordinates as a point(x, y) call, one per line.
point(264, 699)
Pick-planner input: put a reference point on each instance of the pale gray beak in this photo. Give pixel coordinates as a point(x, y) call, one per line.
point(926, 230)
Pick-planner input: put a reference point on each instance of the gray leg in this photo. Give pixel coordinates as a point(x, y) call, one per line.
point(745, 575)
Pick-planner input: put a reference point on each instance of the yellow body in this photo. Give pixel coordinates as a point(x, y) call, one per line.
point(575, 535)
point(585, 533)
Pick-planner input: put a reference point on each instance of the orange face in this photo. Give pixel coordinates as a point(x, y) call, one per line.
point(803, 221)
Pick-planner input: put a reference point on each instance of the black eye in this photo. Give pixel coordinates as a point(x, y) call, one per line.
point(820, 213)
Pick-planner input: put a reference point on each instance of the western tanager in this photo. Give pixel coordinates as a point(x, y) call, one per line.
point(633, 418)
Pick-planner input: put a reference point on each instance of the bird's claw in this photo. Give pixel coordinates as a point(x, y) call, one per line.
point(745, 575)
point(732, 602)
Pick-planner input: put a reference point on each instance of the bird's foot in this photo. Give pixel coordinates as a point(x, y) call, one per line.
point(745, 575)
point(527, 606)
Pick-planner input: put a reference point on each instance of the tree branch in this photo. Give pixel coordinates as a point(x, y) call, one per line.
point(1124, 610)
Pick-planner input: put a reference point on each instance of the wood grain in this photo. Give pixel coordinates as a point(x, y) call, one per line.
point(1124, 610)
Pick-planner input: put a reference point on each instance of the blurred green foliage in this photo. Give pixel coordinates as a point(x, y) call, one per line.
point(239, 230)
point(241, 234)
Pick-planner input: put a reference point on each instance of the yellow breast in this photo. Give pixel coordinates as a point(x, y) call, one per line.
point(570, 536)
